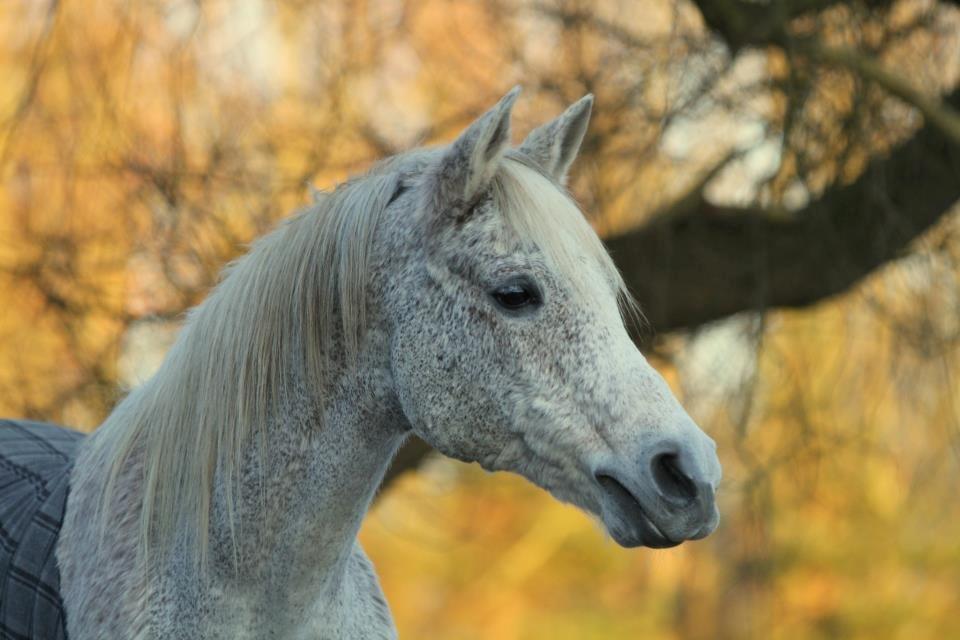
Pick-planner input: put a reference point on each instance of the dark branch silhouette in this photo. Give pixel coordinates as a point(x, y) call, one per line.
point(708, 262)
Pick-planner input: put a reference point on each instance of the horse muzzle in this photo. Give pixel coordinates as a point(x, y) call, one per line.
point(666, 499)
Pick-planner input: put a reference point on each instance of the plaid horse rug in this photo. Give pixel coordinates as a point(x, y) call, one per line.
point(35, 463)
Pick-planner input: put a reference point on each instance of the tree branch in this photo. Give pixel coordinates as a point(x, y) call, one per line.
point(710, 262)
point(746, 23)
point(936, 112)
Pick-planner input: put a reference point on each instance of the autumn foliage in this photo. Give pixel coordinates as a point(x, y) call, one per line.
point(143, 145)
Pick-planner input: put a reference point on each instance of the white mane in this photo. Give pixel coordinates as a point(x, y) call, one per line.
point(229, 364)
point(299, 292)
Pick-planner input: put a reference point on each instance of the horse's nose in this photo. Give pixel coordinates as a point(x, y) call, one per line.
point(680, 481)
point(667, 498)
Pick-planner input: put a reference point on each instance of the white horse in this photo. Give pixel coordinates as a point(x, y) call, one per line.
point(456, 293)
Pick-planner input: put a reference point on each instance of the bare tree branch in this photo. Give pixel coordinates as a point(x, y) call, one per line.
point(939, 114)
point(710, 262)
point(745, 23)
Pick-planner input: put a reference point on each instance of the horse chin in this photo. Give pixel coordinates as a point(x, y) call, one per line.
point(646, 535)
point(628, 523)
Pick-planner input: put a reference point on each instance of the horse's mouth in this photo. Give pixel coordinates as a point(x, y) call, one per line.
point(638, 528)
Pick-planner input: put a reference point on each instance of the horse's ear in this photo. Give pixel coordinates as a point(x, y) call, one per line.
point(471, 161)
point(554, 145)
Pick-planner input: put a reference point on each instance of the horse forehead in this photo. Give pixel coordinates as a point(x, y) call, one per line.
point(486, 238)
point(481, 234)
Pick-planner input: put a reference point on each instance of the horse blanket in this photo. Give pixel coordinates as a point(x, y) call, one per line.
point(35, 463)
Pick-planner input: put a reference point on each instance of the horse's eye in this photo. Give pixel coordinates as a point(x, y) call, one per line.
point(517, 295)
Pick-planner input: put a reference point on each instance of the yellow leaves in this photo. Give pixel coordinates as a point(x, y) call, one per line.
point(142, 145)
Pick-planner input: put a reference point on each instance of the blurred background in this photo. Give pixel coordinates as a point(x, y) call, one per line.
point(778, 182)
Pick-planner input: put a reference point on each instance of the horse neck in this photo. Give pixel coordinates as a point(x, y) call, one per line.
point(306, 486)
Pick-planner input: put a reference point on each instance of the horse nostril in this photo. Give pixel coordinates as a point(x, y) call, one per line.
point(670, 478)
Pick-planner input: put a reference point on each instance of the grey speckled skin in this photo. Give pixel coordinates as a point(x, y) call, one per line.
point(557, 393)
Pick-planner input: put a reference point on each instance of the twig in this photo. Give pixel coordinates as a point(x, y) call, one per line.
point(936, 112)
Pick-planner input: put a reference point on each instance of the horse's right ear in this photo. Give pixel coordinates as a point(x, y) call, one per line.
point(470, 162)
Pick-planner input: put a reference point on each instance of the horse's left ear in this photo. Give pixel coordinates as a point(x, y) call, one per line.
point(554, 145)
point(471, 161)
